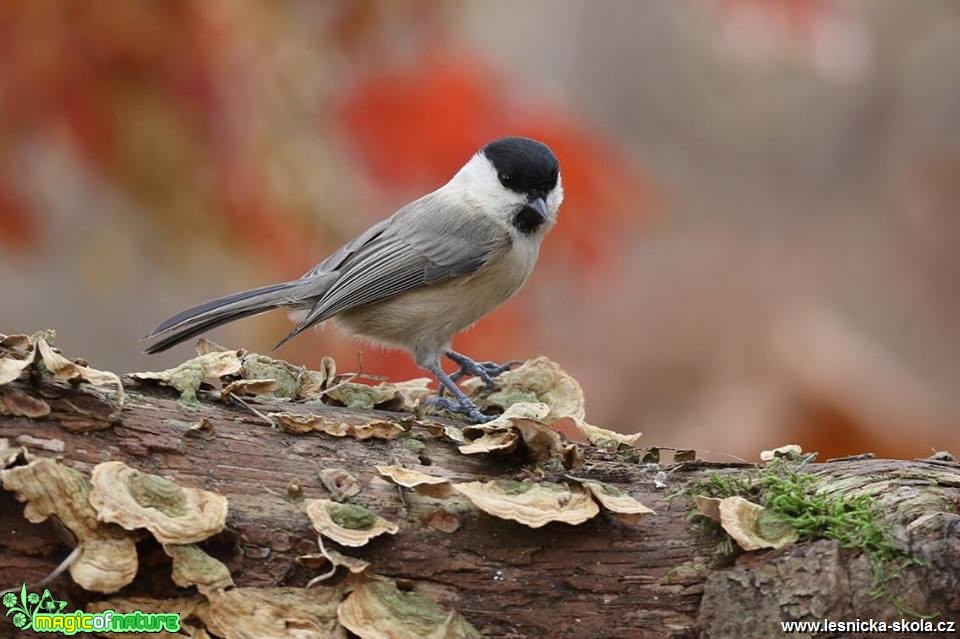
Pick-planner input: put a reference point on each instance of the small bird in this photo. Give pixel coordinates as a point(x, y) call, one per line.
point(427, 272)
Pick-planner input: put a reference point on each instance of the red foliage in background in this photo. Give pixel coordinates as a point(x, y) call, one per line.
point(419, 122)
point(19, 229)
point(801, 17)
point(163, 99)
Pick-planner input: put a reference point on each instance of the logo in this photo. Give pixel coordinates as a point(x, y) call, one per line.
point(44, 613)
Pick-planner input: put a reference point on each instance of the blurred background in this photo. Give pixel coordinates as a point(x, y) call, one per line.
point(760, 239)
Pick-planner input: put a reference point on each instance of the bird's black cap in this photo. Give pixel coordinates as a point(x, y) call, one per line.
point(524, 165)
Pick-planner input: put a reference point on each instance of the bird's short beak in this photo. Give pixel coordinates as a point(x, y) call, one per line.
point(540, 206)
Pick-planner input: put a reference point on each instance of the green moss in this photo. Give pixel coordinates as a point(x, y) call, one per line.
point(551, 466)
point(411, 614)
point(688, 571)
point(287, 377)
point(408, 605)
point(715, 485)
point(610, 489)
point(724, 550)
point(771, 526)
point(187, 379)
point(508, 397)
point(352, 516)
point(791, 497)
point(511, 487)
point(153, 491)
point(49, 335)
point(414, 445)
point(650, 455)
point(194, 560)
point(459, 506)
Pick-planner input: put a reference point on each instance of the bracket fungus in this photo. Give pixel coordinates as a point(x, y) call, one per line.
point(521, 411)
point(63, 368)
point(172, 513)
point(300, 423)
point(398, 396)
point(531, 504)
point(256, 374)
point(497, 441)
point(12, 455)
point(274, 613)
point(188, 376)
point(789, 451)
point(107, 559)
point(621, 504)
point(754, 527)
point(708, 506)
point(29, 349)
point(361, 396)
point(193, 567)
point(377, 609)
point(330, 557)
point(443, 520)
point(12, 367)
point(501, 434)
point(450, 433)
point(249, 387)
point(543, 443)
point(521, 423)
point(291, 382)
point(608, 439)
point(284, 375)
point(347, 524)
point(429, 485)
point(203, 429)
point(204, 346)
point(540, 380)
point(313, 384)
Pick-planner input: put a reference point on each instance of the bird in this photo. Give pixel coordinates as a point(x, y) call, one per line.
point(429, 271)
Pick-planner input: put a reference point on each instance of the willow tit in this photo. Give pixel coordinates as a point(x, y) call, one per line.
point(429, 271)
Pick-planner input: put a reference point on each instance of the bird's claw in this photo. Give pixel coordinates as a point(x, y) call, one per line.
point(486, 371)
point(465, 407)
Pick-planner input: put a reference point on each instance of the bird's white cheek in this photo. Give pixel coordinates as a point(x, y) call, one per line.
point(555, 199)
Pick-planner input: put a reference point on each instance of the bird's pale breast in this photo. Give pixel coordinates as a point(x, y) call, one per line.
point(425, 320)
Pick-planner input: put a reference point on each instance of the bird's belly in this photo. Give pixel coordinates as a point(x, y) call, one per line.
point(426, 319)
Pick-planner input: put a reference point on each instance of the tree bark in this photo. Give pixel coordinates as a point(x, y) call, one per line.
point(658, 578)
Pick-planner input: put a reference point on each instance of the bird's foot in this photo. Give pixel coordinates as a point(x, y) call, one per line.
point(486, 371)
point(462, 407)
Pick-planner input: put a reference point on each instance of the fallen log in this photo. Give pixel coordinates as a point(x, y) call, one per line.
point(664, 575)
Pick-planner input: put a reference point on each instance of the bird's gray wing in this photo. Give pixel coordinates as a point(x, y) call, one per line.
point(336, 259)
point(419, 246)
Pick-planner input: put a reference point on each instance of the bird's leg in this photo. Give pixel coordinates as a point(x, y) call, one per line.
point(462, 403)
point(486, 371)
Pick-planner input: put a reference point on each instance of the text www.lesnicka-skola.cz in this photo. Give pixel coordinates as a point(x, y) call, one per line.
point(870, 625)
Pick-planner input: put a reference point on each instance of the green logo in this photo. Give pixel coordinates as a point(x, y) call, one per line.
point(44, 613)
point(29, 604)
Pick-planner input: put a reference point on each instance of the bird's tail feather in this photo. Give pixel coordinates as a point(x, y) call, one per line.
point(203, 317)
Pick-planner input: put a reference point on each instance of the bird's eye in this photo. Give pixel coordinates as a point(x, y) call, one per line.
point(504, 179)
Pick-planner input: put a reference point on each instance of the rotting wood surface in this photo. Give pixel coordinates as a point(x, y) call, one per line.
point(658, 578)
